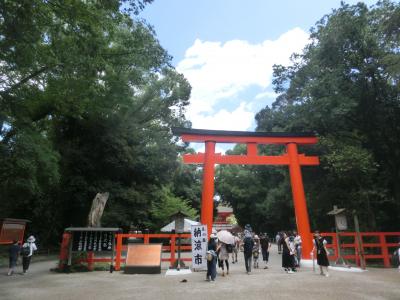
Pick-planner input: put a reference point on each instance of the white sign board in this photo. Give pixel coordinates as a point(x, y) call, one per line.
point(199, 246)
point(341, 221)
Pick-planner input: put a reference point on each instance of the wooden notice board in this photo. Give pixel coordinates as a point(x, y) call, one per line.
point(143, 259)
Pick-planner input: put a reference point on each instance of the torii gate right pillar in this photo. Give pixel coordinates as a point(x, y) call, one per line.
point(299, 199)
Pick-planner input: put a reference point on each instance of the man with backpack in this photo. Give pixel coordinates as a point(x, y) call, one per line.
point(27, 251)
point(248, 244)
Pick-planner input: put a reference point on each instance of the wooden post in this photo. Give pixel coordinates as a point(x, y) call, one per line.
point(359, 241)
point(173, 238)
point(112, 255)
point(207, 198)
point(146, 239)
point(300, 206)
point(385, 252)
point(178, 266)
point(71, 241)
point(118, 254)
point(90, 256)
point(64, 250)
point(335, 246)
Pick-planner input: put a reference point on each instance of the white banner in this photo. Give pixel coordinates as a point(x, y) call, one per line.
point(199, 246)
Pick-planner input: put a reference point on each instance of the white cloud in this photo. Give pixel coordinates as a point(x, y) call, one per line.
point(266, 95)
point(218, 71)
point(239, 119)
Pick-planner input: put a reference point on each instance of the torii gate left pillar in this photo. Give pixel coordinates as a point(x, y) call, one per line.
point(252, 139)
point(207, 196)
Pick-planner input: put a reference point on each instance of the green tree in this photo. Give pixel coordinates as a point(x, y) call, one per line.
point(345, 87)
point(259, 195)
point(166, 205)
point(87, 100)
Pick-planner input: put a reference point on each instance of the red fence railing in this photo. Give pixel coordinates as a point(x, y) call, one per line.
point(375, 246)
point(172, 247)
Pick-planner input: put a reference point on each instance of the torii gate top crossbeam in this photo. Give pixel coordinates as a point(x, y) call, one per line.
point(222, 136)
point(251, 139)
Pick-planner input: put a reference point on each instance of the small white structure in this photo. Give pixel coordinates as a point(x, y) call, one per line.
point(186, 227)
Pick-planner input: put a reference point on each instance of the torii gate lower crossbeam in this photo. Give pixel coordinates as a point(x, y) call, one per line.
point(252, 139)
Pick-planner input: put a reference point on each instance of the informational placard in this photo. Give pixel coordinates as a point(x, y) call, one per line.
point(199, 246)
point(341, 221)
point(92, 241)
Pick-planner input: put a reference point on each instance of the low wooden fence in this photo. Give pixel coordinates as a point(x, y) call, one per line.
point(377, 247)
point(172, 246)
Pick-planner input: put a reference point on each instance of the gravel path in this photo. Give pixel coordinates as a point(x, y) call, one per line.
point(261, 284)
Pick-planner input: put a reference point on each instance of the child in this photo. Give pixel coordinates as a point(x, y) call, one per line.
point(256, 251)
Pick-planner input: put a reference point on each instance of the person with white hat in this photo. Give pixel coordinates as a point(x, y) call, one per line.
point(27, 251)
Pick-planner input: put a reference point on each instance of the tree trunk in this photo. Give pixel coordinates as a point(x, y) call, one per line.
point(98, 204)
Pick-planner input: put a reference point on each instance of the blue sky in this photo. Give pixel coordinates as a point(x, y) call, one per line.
point(226, 49)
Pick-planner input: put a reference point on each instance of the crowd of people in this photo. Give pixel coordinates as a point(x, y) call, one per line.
point(253, 246)
point(219, 253)
point(290, 246)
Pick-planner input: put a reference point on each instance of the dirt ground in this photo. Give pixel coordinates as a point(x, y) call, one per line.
point(272, 283)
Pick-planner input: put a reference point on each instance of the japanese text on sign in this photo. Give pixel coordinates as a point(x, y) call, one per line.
point(92, 241)
point(199, 246)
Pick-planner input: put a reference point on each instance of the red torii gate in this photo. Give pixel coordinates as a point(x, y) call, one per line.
point(291, 158)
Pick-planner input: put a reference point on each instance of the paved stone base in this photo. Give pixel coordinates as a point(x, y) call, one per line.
point(272, 283)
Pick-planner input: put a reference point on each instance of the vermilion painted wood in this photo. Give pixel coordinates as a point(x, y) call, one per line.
point(118, 252)
point(207, 196)
point(250, 159)
point(381, 236)
point(382, 245)
point(146, 238)
point(299, 200)
point(248, 139)
point(66, 240)
point(252, 140)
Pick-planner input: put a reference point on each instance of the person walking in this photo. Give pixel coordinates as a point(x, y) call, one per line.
point(287, 255)
point(279, 241)
point(212, 258)
point(236, 247)
point(256, 251)
point(27, 251)
point(298, 248)
point(248, 244)
point(292, 247)
point(13, 252)
point(223, 256)
point(322, 253)
point(265, 245)
point(398, 257)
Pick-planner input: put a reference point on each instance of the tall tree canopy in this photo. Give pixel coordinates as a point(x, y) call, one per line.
point(344, 86)
point(87, 99)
